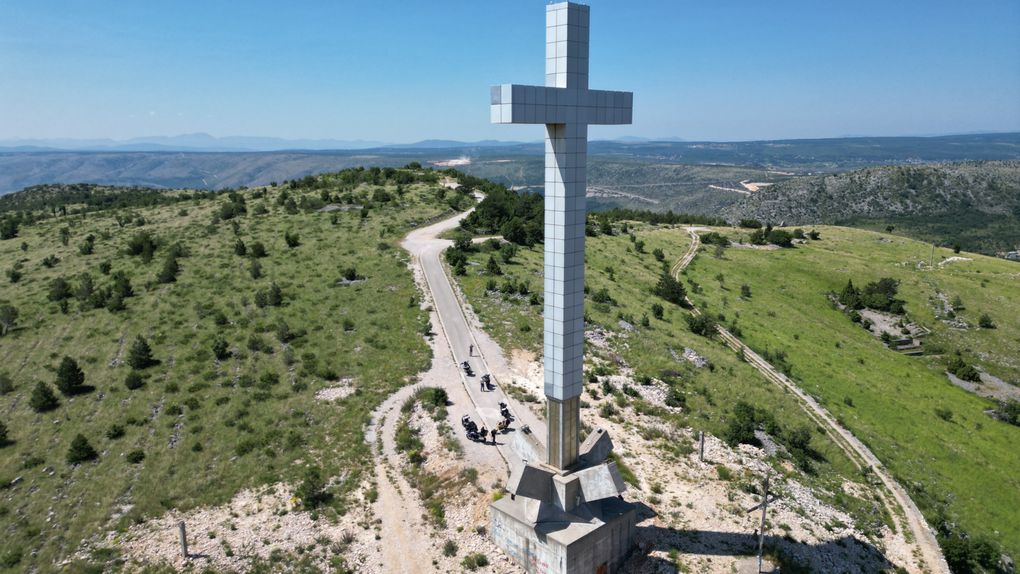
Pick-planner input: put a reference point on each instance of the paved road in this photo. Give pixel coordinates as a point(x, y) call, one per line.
point(901, 507)
point(426, 247)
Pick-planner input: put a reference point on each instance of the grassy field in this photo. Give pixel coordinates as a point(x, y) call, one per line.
point(614, 264)
point(207, 427)
point(962, 465)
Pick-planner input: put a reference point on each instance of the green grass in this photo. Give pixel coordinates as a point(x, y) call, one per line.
point(230, 435)
point(709, 392)
point(968, 464)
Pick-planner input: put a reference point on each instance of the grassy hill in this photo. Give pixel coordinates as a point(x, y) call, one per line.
point(241, 343)
point(958, 462)
point(973, 204)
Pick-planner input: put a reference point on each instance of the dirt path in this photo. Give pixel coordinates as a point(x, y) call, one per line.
point(901, 508)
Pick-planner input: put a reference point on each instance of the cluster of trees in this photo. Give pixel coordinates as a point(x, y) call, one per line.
point(747, 418)
point(518, 217)
point(879, 295)
point(88, 295)
point(660, 218)
point(38, 202)
point(962, 369)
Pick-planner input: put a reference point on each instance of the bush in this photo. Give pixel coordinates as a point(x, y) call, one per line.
point(258, 250)
point(3, 434)
point(962, 370)
point(311, 492)
point(745, 291)
point(292, 239)
point(475, 561)
point(115, 431)
point(70, 377)
point(220, 348)
point(985, 321)
point(42, 398)
point(492, 267)
point(944, 414)
point(449, 548)
point(657, 311)
point(670, 289)
point(81, 451)
point(134, 381)
point(140, 354)
point(135, 456)
point(168, 274)
point(701, 324)
point(6, 384)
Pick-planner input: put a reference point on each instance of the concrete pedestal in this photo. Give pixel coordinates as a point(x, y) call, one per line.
point(564, 543)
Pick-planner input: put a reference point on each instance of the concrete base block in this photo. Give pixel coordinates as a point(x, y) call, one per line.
point(595, 540)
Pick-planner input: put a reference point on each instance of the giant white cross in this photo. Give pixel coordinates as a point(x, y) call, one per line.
point(566, 106)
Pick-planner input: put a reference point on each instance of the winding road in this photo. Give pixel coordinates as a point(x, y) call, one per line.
point(901, 507)
point(408, 540)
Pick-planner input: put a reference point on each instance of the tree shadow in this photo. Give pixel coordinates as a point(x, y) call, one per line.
point(80, 390)
point(847, 554)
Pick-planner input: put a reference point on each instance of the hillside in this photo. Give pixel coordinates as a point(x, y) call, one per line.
point(200, 344)
point(904, 408)
point(973, 204)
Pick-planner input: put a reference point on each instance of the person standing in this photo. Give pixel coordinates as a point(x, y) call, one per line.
point(471, 350)
point(493, 436)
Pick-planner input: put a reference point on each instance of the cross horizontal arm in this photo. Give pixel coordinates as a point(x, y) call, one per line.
point(516, 104)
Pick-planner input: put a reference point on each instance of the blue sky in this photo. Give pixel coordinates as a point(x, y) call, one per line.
point(405, 71)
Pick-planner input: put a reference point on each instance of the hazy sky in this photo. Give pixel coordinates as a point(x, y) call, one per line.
point(405, 71)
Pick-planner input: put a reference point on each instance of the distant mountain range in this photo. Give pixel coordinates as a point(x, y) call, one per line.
point(203, 161)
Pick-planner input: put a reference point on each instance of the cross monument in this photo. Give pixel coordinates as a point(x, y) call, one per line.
point(567, 107)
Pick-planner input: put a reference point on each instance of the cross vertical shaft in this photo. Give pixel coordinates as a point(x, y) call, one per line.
point(566, 106)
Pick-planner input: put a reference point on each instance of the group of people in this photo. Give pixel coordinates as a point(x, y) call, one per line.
point(485, 384)
point(482, 434)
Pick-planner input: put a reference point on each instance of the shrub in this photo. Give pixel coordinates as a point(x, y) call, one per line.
point(723, 472)
point(70, 377)
point(745, 291)
point(962, 370)
point(42, 398)
point(475, 561)
point(134, 381)
point(220, 348)
point(115, 431)
point(670, 289)
point(3, 434)
point(449, 548)
point(311, 492)
point(240, 248)
point(258, 250)
point(944, 414)
point(492, 267)
point(602, 296)
point(6, 384)
point(168, 274)
point(701, 324)
point(140, 354)
point(985, 321)
point(292, 239)
point(136, 456)
point(81, 451)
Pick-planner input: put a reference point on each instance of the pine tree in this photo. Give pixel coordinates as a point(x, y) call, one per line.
point(81, 451)
point(70, 377)
point(850, 296)
point(670, 289)
point(42, 398)
point(170, 270)
point(140, 355)
point(493, 267)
